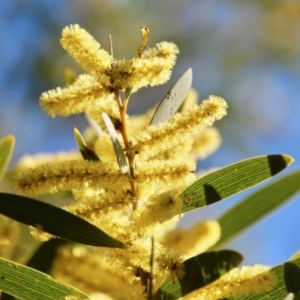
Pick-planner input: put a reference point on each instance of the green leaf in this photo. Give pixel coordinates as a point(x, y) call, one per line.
point(257, 206)
point(86, 152)
point(292, 279)
point(232, 179)
point(121, 159)
point(55, 221)
point(278, 290)
point(6, 149)
point(28, 284)
point(200, 270)
point(42, 259)
point(173, 99)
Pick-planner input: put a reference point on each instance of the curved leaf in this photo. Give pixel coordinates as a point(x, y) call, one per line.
point(173, 99)
point(6, 149)
point(86, 152)
point(258, 205)
point(55, 221)
point(200, 270)
point(28, 284)
point(232, 179)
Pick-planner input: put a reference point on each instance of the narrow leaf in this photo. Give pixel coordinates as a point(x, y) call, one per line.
point(6, 149)
point(200, 270)
point(173, 99)
point(121, 159)
point(41, 260)
point(90, 122)
point(86, 152)
point(28, 284)
point(232, 179)
point(292, 278)
point(278, 290)
point(257, 206)
point(55, 221)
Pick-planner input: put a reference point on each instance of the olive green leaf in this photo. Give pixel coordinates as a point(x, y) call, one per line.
point(232, 179)
point(199, 270)
point(55, 221)
point(28, 284)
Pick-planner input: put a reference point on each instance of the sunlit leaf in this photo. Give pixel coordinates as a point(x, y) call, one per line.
point(6, 149)
point(41, 260)
point(28, 284)
point(257, 206)
point(232, 179)
point(86, 152)
point(55, 221)
point(200, 270)
point(292, 279)
point(121, 159)
point(173, 99)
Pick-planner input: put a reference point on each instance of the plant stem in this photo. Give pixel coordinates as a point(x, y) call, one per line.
point(124, 132)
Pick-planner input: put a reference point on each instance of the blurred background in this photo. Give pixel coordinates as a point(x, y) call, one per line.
point(247, 52)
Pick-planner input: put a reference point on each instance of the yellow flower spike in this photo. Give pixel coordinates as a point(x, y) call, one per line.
point(85, 50)
point(193, 241)
point(87, 270)
point(206, 143)
point(68, 175)
point(83, 95)
point(9, 232)
point(158, 209)
point(162, 137)
point(237, 283)
point(40, 235)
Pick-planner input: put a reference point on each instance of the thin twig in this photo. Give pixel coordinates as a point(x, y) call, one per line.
point(111, 45)
point(124, 132)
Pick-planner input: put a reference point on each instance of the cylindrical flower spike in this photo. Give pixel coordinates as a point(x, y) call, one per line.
point(85, 50)
point(158, 138)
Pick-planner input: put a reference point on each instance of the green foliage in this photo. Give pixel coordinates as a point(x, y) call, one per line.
point(54, 220)
point(28, 284)
point(232, 179)
point(200, 270)
point(185, 276)
point(258, 205)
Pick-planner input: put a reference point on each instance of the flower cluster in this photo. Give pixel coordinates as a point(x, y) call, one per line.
point(139, 204)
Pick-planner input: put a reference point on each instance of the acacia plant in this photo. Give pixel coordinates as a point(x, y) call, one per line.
point(130, 183)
